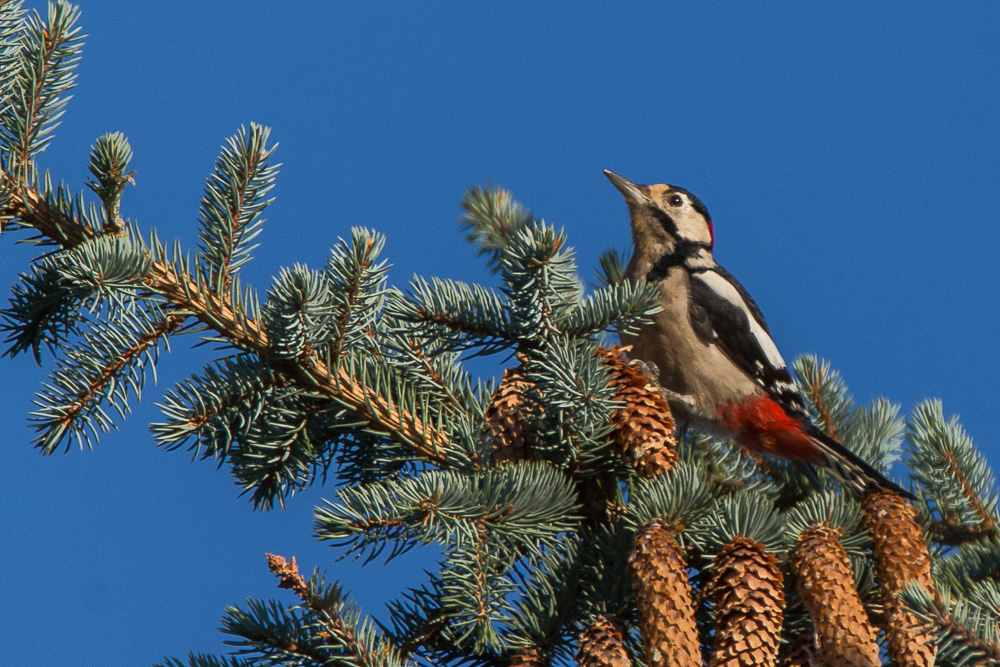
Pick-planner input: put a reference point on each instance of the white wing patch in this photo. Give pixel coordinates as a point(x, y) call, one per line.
point(725, 289)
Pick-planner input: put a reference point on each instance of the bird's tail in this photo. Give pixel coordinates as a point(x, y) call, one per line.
point(851, 469)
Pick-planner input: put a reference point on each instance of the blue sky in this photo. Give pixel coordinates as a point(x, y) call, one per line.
point(848, 153)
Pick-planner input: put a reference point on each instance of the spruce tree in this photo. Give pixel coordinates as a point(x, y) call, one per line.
point(572, 523)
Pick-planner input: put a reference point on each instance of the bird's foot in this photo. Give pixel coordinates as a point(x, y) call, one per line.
point(682, 404)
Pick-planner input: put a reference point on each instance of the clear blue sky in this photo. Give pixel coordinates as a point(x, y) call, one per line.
point(848, 153)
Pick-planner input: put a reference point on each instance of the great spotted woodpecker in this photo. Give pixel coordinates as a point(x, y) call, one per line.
point(711, 345)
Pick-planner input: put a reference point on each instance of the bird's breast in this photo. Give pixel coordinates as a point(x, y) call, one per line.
point(688, 364)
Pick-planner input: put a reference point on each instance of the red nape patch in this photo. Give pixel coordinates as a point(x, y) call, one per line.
point(763, 427)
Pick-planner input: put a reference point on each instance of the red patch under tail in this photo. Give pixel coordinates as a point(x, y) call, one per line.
point(762, 426)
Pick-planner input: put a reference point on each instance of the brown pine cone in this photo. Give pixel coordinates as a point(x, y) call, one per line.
point(845, 635)
point(505, 416)
point(601, 645)
point(663, 598)
point(901, 556)
point(748, 590)
point(644, 425)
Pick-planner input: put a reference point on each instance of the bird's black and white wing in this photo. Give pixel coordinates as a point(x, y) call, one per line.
point(723, 313)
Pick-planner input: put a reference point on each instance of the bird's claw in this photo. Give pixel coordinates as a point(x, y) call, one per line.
point(680, 403)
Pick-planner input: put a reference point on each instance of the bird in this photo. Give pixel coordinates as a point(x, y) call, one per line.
point(711, 346)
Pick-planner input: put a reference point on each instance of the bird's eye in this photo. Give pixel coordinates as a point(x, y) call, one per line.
point(675, 200)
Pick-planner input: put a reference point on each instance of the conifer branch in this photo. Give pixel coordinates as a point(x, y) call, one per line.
point(540, 281)
point(550, 541)
point(357, 281)
point(94, 374)
point(875, 433)
point(298, 314)
point(65, 290)
point(492, 218)
point(959, 491)
point(547, 602)
point(573, 403)
point(611, 267)
point(187, 295)
point(43, 72)
point(825, 392)
point(622, 308)
point(206, 660)
point(11, 16)
point(32, 209)
point(428, 632)
point(964, 633)
point(971, 564)
point(289, 577)
point(428, 370)
point(109, 159)
point(425, 629)
point(474, 596)
point(233, 202)
point(460, 315)
point(813, 389)
point(209, 407)
point(527, 505)
point(987, 521)
point(345, 642)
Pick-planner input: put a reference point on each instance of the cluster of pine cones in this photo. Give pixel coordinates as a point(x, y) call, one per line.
point(746, 584)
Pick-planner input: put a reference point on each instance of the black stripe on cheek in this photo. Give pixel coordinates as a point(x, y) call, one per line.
point(665, 220)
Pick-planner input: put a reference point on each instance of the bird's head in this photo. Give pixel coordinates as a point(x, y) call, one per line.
point(664, 217)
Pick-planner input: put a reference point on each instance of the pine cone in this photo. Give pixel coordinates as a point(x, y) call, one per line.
point(663, 598)
point(845, 636)
point(801, 653)
point(529, 657)
point(900, 554)
point(749, 596)
point(505, 416)
point(644, 426)
point(601, 645)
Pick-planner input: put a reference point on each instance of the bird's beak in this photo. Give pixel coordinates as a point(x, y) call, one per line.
point(634, 193)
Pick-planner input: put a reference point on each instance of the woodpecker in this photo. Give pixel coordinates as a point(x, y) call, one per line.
point(710, 343)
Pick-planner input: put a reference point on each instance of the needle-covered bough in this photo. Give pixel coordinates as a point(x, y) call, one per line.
point(568, 519)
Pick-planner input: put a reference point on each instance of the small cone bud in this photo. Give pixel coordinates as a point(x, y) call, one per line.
point(901, 556)
point(644, 425)
point(748, 590)
point(601, 645)
point(663, 598)
point(845, 637)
